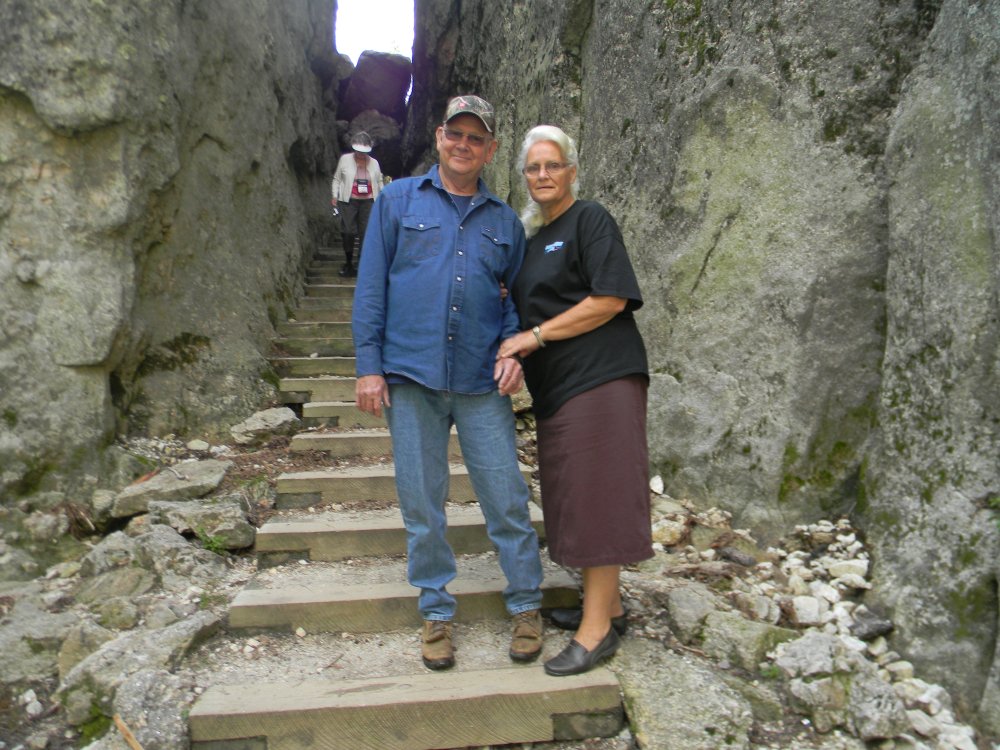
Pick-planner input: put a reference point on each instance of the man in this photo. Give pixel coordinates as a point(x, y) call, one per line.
point(428, 320)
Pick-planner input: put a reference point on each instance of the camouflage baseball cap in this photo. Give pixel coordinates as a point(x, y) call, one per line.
point(471, 105)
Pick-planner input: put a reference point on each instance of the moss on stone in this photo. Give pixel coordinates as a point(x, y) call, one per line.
point(972, 606)
point(182, 350)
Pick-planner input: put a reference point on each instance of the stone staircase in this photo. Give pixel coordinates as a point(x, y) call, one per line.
point(322, 569)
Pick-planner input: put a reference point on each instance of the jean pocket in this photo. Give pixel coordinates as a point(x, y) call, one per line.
point(420, 237)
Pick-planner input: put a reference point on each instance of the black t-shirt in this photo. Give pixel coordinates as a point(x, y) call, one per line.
point(579, 254)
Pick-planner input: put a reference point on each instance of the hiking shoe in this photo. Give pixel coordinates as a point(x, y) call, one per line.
point(436, 648)
point(526, 642)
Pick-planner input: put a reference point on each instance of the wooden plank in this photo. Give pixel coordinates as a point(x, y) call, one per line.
point(331, 388)
point(372, 534)
point(369, 483)
point(412, 712)
point(375, 607)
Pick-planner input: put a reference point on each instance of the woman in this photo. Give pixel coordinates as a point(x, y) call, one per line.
point(356, 184)
point(585, 365)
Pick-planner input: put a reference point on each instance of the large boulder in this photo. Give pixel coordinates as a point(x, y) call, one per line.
point(380, 82)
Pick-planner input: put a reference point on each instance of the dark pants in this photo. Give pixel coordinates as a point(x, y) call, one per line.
point(353, 222)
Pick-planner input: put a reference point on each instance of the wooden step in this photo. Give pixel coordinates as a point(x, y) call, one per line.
point(368, 443)
point(310, 314)
point(409, 712)
point(337, 536)
point(323, 346)
point(329, 388)
point(330, 291)
point(336, 597)
point(308, 366)
point(329, 277)
point(343, 414)
point(333, 254)
point(358, 483)
point(313, 329)
point(324, 303)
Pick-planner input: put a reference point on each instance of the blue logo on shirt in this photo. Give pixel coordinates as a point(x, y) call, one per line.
point(554, 246)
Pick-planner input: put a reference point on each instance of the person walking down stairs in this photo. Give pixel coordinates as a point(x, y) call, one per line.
point(427, 322)
point(356, 184)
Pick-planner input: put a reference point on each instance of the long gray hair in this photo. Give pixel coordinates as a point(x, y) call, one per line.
point(531, 216)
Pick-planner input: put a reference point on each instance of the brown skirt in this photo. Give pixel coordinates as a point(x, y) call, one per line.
point(594, 467)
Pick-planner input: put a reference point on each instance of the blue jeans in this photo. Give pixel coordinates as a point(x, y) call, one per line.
point(420, 420)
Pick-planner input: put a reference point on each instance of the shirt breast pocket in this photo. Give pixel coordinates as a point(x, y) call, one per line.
point(496, 249)
point(421, 237)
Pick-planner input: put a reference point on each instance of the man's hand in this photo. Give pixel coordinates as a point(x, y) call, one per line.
point(509, 375)
point(371, 393)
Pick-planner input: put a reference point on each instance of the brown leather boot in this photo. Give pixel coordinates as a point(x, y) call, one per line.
point(526, 642)
point(436, 649)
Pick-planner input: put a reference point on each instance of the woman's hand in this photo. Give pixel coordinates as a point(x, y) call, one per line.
point(519, 345)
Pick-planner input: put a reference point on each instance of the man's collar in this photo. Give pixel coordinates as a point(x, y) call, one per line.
point(434, 177)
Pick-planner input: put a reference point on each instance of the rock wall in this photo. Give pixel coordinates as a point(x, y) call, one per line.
point(933, 477)
point(163, 172)
point(809, 194)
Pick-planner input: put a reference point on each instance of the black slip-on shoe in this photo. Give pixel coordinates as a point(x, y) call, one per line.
point(575, 659)
point(569, 619)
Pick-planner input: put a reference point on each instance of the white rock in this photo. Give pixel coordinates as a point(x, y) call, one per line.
point(900, 670)
point(854, 549)
point(852, 581)
point(848, 567)
point(300, 632)
point(34, 709)
point(822, 590)
point(957, 736)
point(853, 644)
point(669, 532)
point(923, 724)
point(656, 484)
point(934, 700)
point(806, 611)
point(878, 646)
point(797, 586)
point(198, 445)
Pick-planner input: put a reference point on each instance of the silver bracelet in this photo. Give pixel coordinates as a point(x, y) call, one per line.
point(538, 337)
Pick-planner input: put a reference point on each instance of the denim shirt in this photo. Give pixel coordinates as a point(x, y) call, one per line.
point(427, 304)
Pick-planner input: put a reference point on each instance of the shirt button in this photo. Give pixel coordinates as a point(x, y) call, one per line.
point(461, 253)
point(454, 307)
point(458, 278)
point(420, 226)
